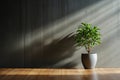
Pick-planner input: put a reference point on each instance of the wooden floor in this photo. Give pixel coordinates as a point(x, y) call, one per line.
point(59, 74)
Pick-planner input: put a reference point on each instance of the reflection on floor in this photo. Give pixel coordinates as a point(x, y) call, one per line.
point(59, 74)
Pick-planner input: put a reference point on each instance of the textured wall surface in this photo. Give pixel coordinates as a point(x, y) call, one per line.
point(39, 33)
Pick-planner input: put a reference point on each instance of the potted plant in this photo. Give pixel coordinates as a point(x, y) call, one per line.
point(88, 36)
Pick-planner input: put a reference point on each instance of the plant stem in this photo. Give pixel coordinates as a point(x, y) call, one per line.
point(88, 49)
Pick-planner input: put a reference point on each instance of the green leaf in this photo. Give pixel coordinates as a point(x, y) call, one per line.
point(88, 35)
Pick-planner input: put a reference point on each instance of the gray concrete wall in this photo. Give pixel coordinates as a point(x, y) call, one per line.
point(39, 33)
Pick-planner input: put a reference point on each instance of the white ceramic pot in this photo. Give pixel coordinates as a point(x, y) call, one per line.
point(89, 60)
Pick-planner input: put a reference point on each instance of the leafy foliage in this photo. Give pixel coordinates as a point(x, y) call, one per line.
point(88, 36)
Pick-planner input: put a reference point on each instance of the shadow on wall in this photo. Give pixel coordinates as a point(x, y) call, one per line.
point(47, 11)
point(54, 55)
point(57, 54)
point(30, 15)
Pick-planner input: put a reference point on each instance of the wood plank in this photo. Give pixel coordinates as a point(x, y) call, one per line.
point(59, 74)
